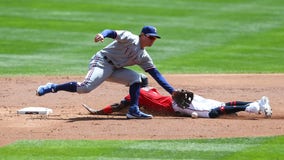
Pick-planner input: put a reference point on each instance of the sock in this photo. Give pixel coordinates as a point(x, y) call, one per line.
point(69, 87)
point(236, 103)
point(107, 110)
point(230, 109)
point(134, 91)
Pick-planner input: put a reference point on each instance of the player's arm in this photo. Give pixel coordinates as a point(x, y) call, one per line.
point(160, 79)
point(105, 33)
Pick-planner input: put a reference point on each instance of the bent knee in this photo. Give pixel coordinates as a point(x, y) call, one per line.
point(144, 80)
point(135, 79)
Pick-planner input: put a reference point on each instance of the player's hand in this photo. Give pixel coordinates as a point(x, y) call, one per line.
point(182, 97)
point(99, 38)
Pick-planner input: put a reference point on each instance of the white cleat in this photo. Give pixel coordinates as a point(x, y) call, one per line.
point(253, 107)
point(265, 107)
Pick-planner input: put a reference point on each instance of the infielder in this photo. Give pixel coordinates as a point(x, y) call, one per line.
point(152, 100)
point(108, 64)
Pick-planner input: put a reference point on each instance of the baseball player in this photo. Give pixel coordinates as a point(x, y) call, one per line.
point(109, 64)
point(152, 100)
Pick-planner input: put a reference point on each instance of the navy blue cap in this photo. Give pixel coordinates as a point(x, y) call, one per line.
point(151, 31)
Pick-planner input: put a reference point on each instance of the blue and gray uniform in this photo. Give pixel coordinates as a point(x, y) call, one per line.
point(108, 64)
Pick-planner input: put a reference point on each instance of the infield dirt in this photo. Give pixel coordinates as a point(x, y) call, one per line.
point(71, 121)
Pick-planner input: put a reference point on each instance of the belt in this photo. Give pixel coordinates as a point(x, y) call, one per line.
point(108, 61)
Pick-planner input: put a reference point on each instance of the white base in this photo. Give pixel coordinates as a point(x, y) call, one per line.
point(35, 110)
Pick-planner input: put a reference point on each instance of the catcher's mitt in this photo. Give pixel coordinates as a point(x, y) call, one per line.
point(182, 97)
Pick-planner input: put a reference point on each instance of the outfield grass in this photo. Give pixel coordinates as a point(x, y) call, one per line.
point(270, 148)
point(55, 37)
point(208, 36)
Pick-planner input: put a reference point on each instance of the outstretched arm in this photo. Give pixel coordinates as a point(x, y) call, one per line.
point(160, 79)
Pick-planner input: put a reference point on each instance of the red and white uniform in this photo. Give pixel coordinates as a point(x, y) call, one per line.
point(202, 106)
point(153, 101)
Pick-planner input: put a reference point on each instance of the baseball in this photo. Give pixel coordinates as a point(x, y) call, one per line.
point(194, 115)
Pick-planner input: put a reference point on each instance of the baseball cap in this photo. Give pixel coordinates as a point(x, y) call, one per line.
point(151, 31)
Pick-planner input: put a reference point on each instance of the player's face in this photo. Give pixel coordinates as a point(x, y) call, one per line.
point(150, 40)
point(146, 40)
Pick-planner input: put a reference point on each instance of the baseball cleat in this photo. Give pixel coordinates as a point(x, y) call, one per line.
point(91, 110)
point(49, 87)
point(265, 107)
point(135, 113)
point(253, 107)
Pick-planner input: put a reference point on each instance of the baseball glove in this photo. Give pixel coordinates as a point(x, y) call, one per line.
point(182, 97)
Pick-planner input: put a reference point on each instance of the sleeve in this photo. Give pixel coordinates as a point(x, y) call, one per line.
point(124, 36)
point(109, 33)
point(146, 62)
point(180, 111)
point(160, 79)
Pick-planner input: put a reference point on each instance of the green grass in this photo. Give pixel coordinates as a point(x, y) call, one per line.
point(210, 36)
point(55, 37)
point(221, 149)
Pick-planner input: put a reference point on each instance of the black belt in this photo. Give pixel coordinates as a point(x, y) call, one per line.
point(108, 61)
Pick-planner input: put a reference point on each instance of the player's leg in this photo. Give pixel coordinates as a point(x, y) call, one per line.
point(51, 87)
point(133, 80)
point(260, 106)
point(113, 108)
point(216, 112)
point(251, 107)
point(93, 79)
point(98, 72)
point(123, 103)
